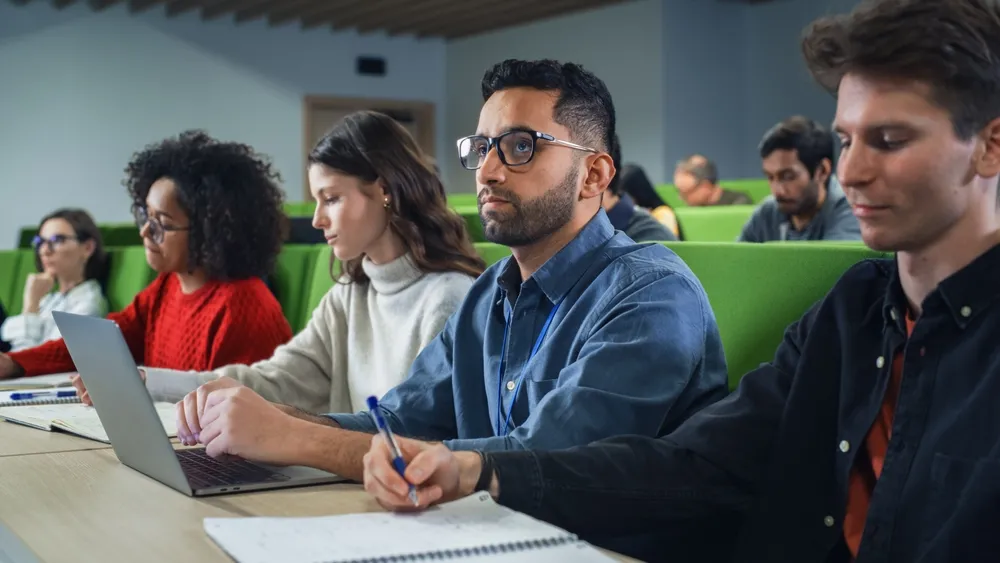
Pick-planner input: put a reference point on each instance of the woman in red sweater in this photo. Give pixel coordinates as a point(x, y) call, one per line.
point(212, 224)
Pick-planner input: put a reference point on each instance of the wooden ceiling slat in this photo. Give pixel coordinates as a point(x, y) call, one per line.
point(178, 7)
point(215, 10)
point(402, 16)
point(288, 10)
point(99, 5)
point(419, 14)
point(324, 16)
point(253, 10)
point(62, 4)
point(383, 10)
point(139, 6)
point(472, 26)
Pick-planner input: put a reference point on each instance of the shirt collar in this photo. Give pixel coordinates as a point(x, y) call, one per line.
point(966, 293)
point(561, 272)
point(622, 213)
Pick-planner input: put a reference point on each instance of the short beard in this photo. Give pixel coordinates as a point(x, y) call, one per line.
point(532, 220)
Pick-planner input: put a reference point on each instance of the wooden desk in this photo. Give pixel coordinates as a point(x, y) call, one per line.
point(17, 439)
point(86, 506)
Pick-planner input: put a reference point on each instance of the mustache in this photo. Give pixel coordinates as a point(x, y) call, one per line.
point(500, 193)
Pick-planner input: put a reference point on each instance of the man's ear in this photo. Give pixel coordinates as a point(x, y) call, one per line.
point(599, 175)
point(823, 171)
point(988, 163)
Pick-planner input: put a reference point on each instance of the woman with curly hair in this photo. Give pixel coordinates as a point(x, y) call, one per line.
point(210, 217)
point(407, 265)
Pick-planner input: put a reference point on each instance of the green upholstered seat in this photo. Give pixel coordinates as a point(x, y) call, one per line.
point(713, 224)
point(470, 214)
point(292, 275)
point(300, 208)
point(128, 274)
point(9, 262)
point(492, 253)
point(757, 290)
point(25, 267)
point(320, 280)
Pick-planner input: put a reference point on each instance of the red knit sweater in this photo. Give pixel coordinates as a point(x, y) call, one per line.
point(238, 322)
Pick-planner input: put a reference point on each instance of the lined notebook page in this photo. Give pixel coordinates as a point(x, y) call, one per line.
point(79, 419)
point(472, 522)
point(38, 382)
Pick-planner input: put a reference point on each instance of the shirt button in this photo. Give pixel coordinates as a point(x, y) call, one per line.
point(892, 313)
point(828, 521)
point(510, 385)
point(845, 446)
point(880, 362)
point(966, 311)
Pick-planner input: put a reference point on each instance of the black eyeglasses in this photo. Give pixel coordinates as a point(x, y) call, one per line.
point(52, 243)
point(157, 230)
point(515, 148)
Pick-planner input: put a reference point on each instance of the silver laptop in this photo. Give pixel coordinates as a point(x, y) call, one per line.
point(127, 413)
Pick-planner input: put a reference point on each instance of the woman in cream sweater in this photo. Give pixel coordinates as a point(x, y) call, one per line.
point(407, 265)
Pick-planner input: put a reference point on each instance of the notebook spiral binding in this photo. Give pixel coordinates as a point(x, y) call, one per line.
point(496, 549)
point(39, 402)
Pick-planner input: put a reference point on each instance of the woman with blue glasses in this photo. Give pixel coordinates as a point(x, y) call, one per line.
point(72, 270)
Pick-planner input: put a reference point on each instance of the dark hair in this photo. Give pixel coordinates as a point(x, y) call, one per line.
point(701, 167)
point(951, 45)
point(615, 186)
point(84, 228)
point(372, 146)
point(230, 194)
point(584, 105)
point(811, 141)
point(636, 183)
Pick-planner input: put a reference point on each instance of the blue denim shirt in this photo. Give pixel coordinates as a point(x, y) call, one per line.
point(633, 348)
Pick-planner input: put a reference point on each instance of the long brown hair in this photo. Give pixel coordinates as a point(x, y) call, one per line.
point(372, 146)
point(84, 228)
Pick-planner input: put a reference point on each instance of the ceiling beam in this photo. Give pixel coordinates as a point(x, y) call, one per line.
point(418, 14)
point(139, 6)
point(253, 10)
point(324, 16)
point(178, 7)
point(99, 5)
point(287, 10)
point(403, 15)
point(61, 4)
point(342, 19)
point(464, 27)
point(210, 12)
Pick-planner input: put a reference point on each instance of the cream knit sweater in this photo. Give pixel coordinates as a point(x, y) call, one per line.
point(360, 341)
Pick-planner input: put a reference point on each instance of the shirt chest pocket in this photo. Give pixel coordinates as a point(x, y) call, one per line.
point(962, 514)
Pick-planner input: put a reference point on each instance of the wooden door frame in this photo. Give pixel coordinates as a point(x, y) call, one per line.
point(423, 111)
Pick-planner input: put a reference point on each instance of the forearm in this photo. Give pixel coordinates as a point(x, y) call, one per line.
point(331, 449)
point(309, 417)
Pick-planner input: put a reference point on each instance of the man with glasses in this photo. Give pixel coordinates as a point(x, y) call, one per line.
point(582, 334)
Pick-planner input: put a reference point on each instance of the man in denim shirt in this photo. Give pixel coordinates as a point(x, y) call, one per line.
point(874, 434)
point(583, 334)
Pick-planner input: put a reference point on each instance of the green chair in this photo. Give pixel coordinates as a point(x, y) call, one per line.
point(757, 290)
point(320, 280)
point(470, 213)
point(713, 224)
point(9, 262)
point(128, 274)
point(291, 281)
point(756, 188)
point(669, 194)
point(25, 236)
point(462, 200)
point(25, 267)
point(120, 234)
point(492, 253)
point(300, 208)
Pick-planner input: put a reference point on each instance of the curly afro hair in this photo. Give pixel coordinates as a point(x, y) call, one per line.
point(231, 195)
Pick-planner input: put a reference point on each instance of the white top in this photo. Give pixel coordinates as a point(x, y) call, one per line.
point(31, 329)
point(360, 341)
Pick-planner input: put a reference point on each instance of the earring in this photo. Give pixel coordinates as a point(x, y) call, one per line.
point(386, 200)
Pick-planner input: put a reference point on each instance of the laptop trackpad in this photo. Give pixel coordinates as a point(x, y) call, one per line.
point(297, 471)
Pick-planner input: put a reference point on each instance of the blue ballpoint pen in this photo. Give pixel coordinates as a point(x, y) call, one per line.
point(41, 394)
point(390, 440)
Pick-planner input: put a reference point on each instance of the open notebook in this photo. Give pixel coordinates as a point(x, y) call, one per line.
point(45, 397)
point(471, 529)
point(38, 382)
point(78, 419)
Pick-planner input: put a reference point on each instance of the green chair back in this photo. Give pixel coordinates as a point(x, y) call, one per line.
point(292, 275)
point(120, 234)
point(320, 281)
point(757, 290)
point(470, 213)
point(300, 208)
point(128, 274)
point(492, 253)
point(9, 262)
point(25, 235)
point(25, 267)
point(462, 199)
point(756, 188)
point(669, 194)
point(713, 224)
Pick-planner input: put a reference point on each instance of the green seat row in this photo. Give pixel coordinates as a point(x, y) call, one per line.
point(756, 290)
point(756, 188)
point(112, 234)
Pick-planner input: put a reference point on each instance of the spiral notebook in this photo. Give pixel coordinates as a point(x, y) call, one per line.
point(471, 529)
point(6, 401)
point(77, 419)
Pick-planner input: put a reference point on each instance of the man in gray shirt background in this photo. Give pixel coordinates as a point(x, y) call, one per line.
point(806, 201)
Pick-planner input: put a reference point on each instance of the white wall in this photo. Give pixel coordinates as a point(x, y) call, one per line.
point(621, 44)
point(81, 91)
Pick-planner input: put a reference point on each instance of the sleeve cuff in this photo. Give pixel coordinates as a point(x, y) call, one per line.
point(356, 422)
point(172, 385)
point(520, 477)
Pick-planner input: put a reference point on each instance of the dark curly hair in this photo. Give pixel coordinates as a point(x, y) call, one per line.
point(230, 194)
point(372, 146)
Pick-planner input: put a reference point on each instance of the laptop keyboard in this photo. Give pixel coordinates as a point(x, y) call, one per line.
point(204, 472)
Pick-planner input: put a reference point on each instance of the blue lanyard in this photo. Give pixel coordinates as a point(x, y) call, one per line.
point(503, 361)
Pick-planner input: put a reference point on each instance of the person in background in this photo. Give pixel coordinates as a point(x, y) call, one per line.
point(806, 201)
point(4, 345)
point(872, 435)
point(210, 215)
point(407, 265)
point(634, 182)
point(72, 270)
point(624, 214)
point(697, 181)
point(580, 334)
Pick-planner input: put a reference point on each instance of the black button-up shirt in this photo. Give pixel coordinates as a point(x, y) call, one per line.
point(763, 474)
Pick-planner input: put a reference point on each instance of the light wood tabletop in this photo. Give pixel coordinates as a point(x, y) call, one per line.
point(17, 439)
point(86, 506)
